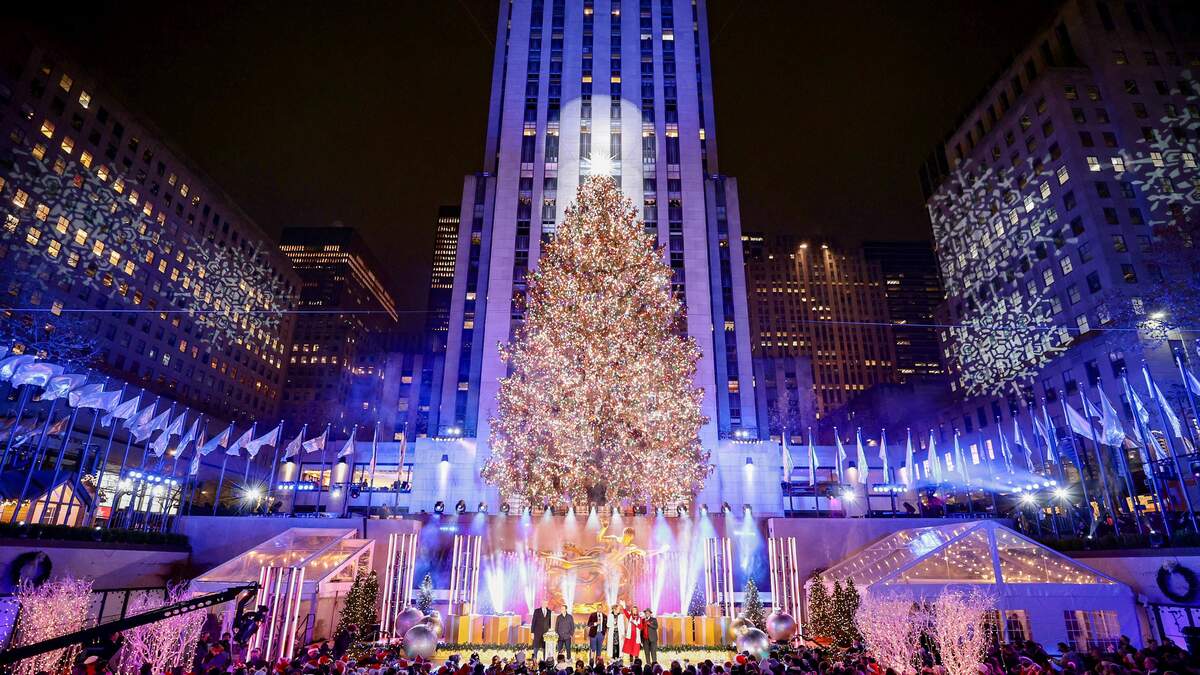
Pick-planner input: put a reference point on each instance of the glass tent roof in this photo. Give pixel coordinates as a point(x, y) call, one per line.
point(969, 552)
point(325, 555)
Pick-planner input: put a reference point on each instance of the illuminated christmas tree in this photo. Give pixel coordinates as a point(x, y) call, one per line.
point(820, 619)
point(600, 404)
point(360, 608)
point(425, 596)
point(752, 607)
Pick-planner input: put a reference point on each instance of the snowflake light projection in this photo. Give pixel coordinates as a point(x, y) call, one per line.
point(1164, 167)
point(991, 224)
point(72, 223)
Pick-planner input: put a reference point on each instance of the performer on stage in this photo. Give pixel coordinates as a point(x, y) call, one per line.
point(538, 626)
point(616, 630)
point(597, 630)
point(564, 627)
point(650, 637)
point(632, 637)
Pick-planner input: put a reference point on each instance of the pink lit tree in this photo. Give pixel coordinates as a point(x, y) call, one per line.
point(163, 644)
point(55, 608)
point(959, 628)
point(891, 625)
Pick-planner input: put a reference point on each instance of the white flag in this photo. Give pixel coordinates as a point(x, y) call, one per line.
point(93, 396)
point(236, 447)
point(144, 431)
point(60, 386)
point(192, 434)
point(1157, 395)
point(175, 428)
point(909, 463)
point(318, 443)
point(883, 453)
point(37, 374)
point(935, 464)
point(1193, 383)
point(1005, 450)
point(194, 468)
point(1112, 431)
point(1019, 439)
point(787, 460)
point(269, 438)
point(215, 442)
point(1078, 424)
point(293, 446)
point(812, 460)
point(961, 460)
point(863, 469)
point(9, 366)
point(348, 449)
point(122, 412)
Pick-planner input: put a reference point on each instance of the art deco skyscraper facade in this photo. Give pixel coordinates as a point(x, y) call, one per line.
point(581, 86)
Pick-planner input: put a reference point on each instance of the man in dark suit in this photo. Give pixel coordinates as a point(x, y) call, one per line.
point(650, 637)
point(597, 631)
point(564, 628)
point(538, 625)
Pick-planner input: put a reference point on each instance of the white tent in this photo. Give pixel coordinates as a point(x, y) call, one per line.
point(1041, 594)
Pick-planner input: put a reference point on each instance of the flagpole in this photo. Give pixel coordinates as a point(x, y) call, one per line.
point(321, 473)
point(193, 480)
point(22, 402)
point(1100, 458)
point(274, 467)
point(1167, 431)
point(371, 479)
point(62, 450)
point(125, 461)
point(1183, 375)
point(249, 458)
point(84, 449)
point(349, 473)
point(1052, 446)
point(1124, 461)
point(1062, 398)
point(1149, 461)
point(35, 461)
point(400, 468)
point(102, 465)
point(220, 483)
point(147, 492)
point(299, 465)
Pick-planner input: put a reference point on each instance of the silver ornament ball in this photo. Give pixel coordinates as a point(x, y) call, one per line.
point(781, 627)
point(755, 643)
point(420, 640)
point(434, 621)
point(739, 626)
point(407, 618)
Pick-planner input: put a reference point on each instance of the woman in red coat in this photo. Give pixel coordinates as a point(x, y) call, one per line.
point(632, 644)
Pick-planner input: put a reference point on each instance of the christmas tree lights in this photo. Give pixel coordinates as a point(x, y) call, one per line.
point(752, 607)
point(600, 404)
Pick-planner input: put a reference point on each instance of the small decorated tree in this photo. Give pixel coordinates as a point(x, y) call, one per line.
point(55, 608)
point(891, 627)
point(425, 596)
point(959, 629)
point(360, 609)
point(752, 606)
point(696, 604)
point(163, 644)
point(820, 608)
point(844, 604)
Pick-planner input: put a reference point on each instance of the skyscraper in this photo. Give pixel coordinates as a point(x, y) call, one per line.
point(1053, 200)
point(345, 312)
point(621, 87)
point(112, 236)
point(912, 290)
point(437, 321)
point(828, 306)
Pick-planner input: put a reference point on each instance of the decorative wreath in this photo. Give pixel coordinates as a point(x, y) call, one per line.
point(1168, 573)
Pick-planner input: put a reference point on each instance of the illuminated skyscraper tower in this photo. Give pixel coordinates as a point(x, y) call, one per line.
point(621, 87)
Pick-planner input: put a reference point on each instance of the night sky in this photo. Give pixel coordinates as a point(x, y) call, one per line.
point(370, 113)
